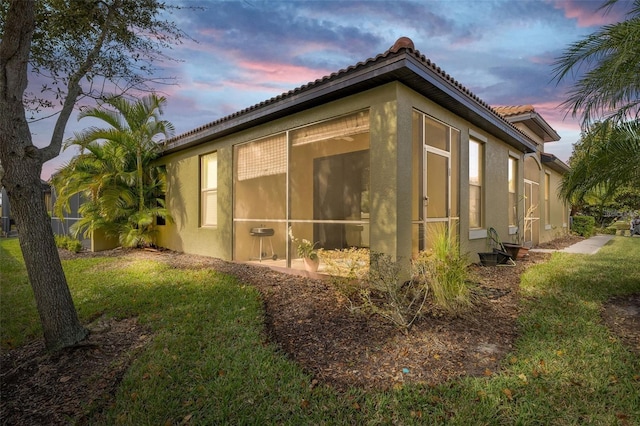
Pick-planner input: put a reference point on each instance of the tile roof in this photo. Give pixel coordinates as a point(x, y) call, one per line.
point(508, 111)
point(305, 94)
point(527, 114)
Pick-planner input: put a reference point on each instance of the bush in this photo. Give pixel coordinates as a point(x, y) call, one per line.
point(583, 225)
point(439, 275)
point(74, 245)
point(347, 268)
point(446, 273)
point(61, 241)
point(68, 243)
point(386, 295)
point(619, 227)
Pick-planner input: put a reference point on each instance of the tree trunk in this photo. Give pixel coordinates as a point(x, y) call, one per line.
point(53, 299)
point(22, 163)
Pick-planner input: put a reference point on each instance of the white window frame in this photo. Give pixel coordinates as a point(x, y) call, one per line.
point(512, 175)
point(208, 188)
point(480, 181)
point(547, 201)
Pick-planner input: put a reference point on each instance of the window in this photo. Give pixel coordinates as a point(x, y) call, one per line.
point(513, 201)
point(475, 183)
point(547, 205)
point(209, 189)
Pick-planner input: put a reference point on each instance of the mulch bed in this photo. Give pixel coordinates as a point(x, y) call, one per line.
point(311, 321)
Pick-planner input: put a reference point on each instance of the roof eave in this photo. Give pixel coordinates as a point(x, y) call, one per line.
point(466, 106)
point(404, 66)
point(544, 130)
point(554, 163)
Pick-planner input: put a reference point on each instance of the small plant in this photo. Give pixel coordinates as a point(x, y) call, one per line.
point(347, 268)
point(305, 248)
point(68, 243)
point(524, 225)
point(446, 273)
point(388, 296)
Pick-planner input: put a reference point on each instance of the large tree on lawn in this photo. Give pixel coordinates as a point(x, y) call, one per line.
point(81, 46)
point(115, 172)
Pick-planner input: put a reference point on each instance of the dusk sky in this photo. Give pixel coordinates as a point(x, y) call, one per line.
point(250, 51)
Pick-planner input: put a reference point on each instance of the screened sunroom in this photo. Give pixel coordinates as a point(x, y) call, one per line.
point(310, 182)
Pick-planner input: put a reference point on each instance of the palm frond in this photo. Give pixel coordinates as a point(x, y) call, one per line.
point(606, 64)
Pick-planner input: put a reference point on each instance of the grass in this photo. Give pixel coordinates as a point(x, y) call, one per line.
point(209, 362)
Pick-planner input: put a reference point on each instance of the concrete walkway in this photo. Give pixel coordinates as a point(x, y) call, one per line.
point(589, 246)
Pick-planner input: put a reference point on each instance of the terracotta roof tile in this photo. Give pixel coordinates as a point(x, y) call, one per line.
point(402, 44)
point(508, 111)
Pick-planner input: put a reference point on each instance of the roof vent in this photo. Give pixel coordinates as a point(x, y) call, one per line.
point(402, 42)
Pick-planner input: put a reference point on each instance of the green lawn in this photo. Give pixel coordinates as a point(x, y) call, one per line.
point(209, 362)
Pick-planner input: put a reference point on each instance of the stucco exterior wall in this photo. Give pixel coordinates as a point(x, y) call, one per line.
point(495, 203)
point(559, 211)
point(100, 242)
point(392, 190)
point(558, 225)
point(183, 169)
point(184, 233)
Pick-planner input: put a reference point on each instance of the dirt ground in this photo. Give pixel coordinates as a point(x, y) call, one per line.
point(311, 322)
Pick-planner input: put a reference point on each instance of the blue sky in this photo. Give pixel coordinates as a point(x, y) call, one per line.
point(249, 51)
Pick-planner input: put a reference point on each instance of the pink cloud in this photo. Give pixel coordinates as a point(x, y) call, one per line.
point(279, 72)
point(551, 111)
point(587, 14)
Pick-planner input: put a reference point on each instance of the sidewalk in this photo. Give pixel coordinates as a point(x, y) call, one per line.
point(589, 246)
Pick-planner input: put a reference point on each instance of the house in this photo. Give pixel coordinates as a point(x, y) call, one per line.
point(379, 155)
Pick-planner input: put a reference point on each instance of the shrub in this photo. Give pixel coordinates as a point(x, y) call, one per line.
point(440, 274)
point(68, 243)
point(619, 227)
point(74, 245)
point(445, 272)
point(583, 225)
point(387, 296)
point(347, 268)
point(61, 241)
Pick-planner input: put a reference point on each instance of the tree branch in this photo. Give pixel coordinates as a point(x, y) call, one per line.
point(74, 90)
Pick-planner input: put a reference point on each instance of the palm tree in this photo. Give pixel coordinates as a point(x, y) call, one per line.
point(607, 96)
point(115, 173)
point(605, 159)
point(609, 89)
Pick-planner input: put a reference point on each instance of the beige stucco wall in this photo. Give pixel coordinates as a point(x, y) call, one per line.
point(559, 211)
point(390, 112)
point(183, 201)
point(558, 225)
point(100, 242)
point(185, 233)
point(495, 191)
